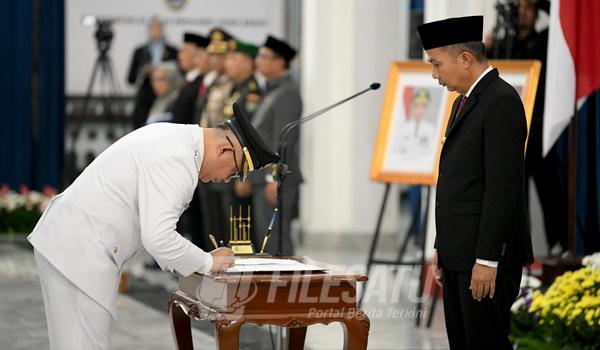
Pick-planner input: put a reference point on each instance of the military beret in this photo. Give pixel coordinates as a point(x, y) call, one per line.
point(245, 48)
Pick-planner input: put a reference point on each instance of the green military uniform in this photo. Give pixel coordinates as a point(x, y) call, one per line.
point(218, 92)
point(247, 94)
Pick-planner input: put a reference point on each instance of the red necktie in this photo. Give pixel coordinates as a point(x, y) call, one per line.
point(201, 90)
point(461, 105)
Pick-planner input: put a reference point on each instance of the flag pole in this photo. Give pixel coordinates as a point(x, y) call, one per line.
point(572, 186)
point(554, 267)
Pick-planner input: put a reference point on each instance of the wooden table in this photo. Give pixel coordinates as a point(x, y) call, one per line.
point(290, 300)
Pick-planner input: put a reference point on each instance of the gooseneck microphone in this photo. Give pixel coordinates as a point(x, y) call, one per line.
point(282, 168)
point(288, 127)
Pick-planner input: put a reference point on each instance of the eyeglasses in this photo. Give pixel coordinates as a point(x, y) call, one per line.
point(237, 169)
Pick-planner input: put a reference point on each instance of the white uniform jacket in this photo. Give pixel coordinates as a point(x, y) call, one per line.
point(130, 196)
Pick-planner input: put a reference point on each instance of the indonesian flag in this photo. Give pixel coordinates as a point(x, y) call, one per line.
point(573, 68)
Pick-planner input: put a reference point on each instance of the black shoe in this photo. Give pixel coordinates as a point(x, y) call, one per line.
point(153, 265)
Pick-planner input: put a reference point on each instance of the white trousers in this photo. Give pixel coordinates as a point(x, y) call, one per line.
point(75, 321)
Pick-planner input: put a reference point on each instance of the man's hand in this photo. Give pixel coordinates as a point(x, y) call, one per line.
point(271, 192)
point(437, 272)
point(222, 259)
point(243, 189)
point(483, 281)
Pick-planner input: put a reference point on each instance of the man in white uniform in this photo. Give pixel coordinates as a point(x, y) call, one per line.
point(130, 197)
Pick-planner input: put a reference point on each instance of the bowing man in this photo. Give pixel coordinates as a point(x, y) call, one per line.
point(129, 197)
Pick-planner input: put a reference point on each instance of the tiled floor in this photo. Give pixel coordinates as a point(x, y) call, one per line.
point(143, 323)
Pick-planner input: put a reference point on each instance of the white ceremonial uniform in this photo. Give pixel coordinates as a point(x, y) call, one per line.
point(131, 196)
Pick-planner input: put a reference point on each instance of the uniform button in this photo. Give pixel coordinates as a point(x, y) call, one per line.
point(115, 249)
point(440, 176)
point(443, 140)
point(437, 204)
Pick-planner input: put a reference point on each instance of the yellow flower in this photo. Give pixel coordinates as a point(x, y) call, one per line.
point(589, 317)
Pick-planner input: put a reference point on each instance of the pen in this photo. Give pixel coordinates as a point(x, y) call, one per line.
point(213, 241)
point(262, 249)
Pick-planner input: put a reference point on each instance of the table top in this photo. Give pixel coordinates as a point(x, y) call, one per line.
point(331, 273)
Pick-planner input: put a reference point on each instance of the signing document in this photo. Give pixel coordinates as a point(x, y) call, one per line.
point(270, 265)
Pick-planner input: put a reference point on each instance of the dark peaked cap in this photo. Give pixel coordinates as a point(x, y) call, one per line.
point(451, 31)
point(256, 153)
point(199, 40)
point(280, 47)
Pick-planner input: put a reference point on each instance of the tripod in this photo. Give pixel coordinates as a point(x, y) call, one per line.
point(105, 108)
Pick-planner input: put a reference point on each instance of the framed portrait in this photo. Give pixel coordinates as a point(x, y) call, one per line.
point(523, 75)
point(415, 114)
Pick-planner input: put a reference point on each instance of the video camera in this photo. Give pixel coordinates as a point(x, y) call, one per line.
point(104, 33)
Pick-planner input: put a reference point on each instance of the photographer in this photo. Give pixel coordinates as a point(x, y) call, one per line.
point(527, 43)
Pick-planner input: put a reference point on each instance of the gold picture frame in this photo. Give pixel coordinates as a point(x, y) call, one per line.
point(415, 114)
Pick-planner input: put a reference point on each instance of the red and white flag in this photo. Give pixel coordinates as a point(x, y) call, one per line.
point(573, 68)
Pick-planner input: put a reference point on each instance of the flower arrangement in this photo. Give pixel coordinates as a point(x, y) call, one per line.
point(566, 316)
point(19, 212)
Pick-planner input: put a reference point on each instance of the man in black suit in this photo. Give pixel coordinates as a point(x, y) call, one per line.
point(483, 239)
point(145, 57)
point(192, 56)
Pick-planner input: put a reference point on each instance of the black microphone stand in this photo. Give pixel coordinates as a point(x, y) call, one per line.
point(281, 169)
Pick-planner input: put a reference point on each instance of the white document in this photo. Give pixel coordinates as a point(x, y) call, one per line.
point(270, 265)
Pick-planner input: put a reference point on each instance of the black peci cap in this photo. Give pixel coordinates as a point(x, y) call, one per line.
point(199, 40)
point(256, 153)
point(451, 31)
point(281, 48)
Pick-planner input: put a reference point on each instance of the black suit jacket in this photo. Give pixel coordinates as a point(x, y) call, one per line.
point(184, 106)
point(480, 199)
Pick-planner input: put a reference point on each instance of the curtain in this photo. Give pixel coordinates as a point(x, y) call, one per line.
point(49, 148)
point(31, 92)
point(16, 152)
point(588, 177)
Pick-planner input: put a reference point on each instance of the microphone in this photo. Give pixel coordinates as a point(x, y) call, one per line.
point(288, 127)
point(281, 167)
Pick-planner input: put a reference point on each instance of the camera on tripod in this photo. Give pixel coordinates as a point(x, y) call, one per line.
point(104, 32)
point(508, 17)
point(506, 28)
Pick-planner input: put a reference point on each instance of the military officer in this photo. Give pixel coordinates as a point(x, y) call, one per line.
point(220, 88)
point(239, 65)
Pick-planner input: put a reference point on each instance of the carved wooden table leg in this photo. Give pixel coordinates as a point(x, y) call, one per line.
point(296, 337)
point(180, 327)
point(227, 334)
point(356, 331)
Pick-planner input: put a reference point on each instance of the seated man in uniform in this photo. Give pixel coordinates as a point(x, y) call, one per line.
point(130, 197)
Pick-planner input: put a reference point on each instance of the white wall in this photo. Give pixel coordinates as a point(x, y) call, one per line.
point(249, 19)
point(347, 45)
